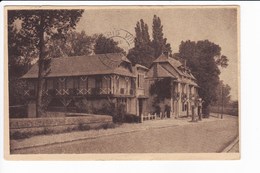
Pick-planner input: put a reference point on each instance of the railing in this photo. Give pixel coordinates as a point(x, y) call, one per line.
point(148, 116)
point(161, 115)
point(140, 92)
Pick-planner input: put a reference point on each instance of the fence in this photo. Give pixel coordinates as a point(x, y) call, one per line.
point(149, 116)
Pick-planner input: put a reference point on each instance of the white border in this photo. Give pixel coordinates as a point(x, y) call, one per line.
point(250, 120)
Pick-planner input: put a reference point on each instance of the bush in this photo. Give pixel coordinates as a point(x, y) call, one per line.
point(46, 131)
point(131, 118)
point(18, 112)
point(83, 127)
point(106, 126)
point(119, 113)
point(19, 135)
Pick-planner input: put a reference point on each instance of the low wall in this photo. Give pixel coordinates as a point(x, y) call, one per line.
point(58, 124)
point(226, 110)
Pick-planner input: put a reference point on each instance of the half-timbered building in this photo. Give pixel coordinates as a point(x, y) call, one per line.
point(183, 89)
point(95, 78)
point(111, 77)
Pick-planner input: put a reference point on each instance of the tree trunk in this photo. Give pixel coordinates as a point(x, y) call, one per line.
point(39, 110)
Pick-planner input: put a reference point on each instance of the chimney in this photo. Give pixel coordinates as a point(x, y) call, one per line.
point(166, 53)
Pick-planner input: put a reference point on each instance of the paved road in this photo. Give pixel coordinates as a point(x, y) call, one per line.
point(196, 137)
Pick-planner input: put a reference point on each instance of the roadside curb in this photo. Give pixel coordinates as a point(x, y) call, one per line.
point(92, 137)
point(231, 145)
point(81, 138)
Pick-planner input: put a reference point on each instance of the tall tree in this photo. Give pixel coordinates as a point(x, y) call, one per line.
point(72, 44)
point(204, 59)
point(39, 25)
point(106, 45)
point(142, 52)
point(159, 43)
point(222, 94)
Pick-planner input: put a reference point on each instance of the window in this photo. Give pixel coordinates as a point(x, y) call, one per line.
point(98, 82)
point(140, 81)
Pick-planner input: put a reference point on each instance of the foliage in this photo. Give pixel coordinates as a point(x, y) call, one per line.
point(106, 45)
point(142, 53)
point(159, 43)
point(85, 106)
point(38, 27)
point(106, 126)
point(203, 59)
point(222, 94)
point(72, 44)
point(16, 91)
point(19, 135)
point(160, 95)
point(119, 113)
point(83, 127)
point(156, 88)
point(146, 51)
point(131, 118)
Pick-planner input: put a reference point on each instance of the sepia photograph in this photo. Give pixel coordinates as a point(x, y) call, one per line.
point(122, 82)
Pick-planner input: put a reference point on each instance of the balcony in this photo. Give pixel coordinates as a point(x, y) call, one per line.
point(80, 92)
point(140, 92)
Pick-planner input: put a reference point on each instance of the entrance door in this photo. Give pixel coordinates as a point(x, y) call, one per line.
point(140, 105)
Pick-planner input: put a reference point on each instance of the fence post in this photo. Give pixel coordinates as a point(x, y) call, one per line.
point(141, 118)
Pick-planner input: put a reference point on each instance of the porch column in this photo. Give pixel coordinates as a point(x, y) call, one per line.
point(112, 83)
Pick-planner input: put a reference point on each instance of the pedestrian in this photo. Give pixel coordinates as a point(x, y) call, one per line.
point(200, 101)
point(192, 102)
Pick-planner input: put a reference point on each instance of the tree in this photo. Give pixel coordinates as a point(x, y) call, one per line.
point(204, 59)
point(142, 52)
point(222, 94)
point(20, 54)
point(38, 26)
point(72, 44)
point(159, 43)
point(106, 45)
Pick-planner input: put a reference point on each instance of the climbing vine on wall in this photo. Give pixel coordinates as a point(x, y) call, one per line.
point(161, 89)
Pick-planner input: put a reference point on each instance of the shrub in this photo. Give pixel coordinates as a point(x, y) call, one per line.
point(83, 127)
point(18, 135)
point(18, 112)
point(119, 113)
point(106, 126)
point(46, 131)
point(131, 118)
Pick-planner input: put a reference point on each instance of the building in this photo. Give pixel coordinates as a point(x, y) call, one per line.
point(182, 90)
point(97, 80)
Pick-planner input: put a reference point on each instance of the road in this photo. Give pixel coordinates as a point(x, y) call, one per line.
point(196, 137)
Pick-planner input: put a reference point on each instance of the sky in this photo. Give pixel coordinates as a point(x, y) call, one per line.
point(218, 25)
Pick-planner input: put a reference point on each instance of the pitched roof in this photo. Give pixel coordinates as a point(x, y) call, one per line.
point(177, 65)
point(85, 65)
point(158, 71)
point(162, 62)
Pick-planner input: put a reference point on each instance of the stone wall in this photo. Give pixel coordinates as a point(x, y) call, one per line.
point(57, 124)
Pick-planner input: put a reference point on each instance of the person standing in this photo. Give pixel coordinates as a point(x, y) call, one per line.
point(192, 102)
point(200, 108)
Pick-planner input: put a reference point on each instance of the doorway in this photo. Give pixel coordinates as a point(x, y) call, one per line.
point(140, 106)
